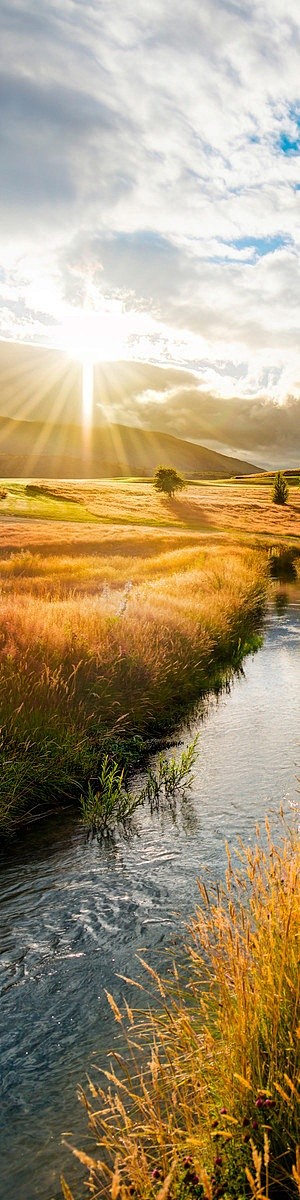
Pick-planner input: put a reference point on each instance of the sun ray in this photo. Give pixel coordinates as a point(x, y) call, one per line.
point(87, 392)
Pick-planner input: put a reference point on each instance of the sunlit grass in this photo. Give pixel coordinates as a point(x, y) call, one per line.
point(206, 506)
point(90, 572)
point(77, 670)
point(205, 1100)
point(28, 500)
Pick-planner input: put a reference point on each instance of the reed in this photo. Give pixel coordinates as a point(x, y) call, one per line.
point(205, 1100)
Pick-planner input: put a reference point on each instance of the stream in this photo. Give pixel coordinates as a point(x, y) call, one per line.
point(75, 914)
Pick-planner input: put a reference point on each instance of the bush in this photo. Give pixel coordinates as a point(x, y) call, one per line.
point(280, 489)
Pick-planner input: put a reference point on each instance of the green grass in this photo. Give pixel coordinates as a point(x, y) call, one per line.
point(113, 806)
point(30, 500)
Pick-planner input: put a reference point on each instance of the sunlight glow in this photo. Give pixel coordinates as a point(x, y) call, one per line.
point(100, 334)
point(87, 391)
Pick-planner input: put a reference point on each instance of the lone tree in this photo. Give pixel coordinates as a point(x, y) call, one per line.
point(280, 489)
point(167, 480)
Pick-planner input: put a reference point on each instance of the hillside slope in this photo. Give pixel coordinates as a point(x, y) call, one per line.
point(38, 450)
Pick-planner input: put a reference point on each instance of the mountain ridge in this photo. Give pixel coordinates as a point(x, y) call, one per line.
point(49, 450)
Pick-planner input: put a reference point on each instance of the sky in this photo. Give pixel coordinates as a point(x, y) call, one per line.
point(149, 206)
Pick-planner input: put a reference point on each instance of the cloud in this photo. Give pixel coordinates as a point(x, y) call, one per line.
point(174, 402)
point(46, 128)
point(150, 165)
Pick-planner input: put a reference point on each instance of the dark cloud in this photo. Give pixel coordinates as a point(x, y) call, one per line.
point(48, 105)
point(257, 427)
point(44, 130)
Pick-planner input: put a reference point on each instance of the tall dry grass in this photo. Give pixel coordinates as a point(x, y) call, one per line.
point(46, 574)
point(206, 1099)
point(236, 505)
point(79, 670)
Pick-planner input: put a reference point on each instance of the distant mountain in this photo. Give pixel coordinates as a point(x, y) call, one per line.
point(34, 449)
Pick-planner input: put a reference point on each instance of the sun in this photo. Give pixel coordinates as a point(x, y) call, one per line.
point(93, 335)
point(99, 335)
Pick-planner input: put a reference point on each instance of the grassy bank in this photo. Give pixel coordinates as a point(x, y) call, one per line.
point(214, 1111)
point(100, 651)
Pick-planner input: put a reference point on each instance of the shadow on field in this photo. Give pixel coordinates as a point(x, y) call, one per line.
point(189, 512)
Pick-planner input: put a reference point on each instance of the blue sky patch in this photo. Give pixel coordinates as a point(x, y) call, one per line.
point(257, 247)
point(289, 145)
point(260, 246)
point(289, 139)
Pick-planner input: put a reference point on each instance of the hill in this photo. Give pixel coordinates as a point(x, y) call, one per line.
point(34, 449)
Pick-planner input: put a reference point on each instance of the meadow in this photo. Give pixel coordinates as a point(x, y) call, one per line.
point(238, 506)
point(119, 608)
point(99, 652)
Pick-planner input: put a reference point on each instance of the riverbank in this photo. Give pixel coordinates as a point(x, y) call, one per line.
point(75, 913)
point(213, 1111)
point(100, 654)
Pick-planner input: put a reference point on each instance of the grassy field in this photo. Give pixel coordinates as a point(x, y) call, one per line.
point(214, 1111)
point(106, 642)
point(237, 506)
point(118, 608)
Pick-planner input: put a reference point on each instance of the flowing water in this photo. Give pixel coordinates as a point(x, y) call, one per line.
point(74, 914)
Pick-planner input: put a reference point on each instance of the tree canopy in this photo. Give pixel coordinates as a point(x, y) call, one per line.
point(167, 480)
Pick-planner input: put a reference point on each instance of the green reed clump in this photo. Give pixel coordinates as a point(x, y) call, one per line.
point(205, 1102)
point(102, 811)
point(170, 775)
point(112, 806)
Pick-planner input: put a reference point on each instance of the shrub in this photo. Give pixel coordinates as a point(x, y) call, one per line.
point(280, 489)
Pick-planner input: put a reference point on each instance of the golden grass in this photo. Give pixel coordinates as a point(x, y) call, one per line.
point(205, 506)
point(214, 1108)
point(135, 560)
point(108, 632)
point(191, 599)
point(71, 537)
point(91, 649)
point(208, 507)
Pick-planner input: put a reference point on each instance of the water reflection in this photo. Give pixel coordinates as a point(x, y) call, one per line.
point(76, 915)
point(283, 563)
point(281, 601)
